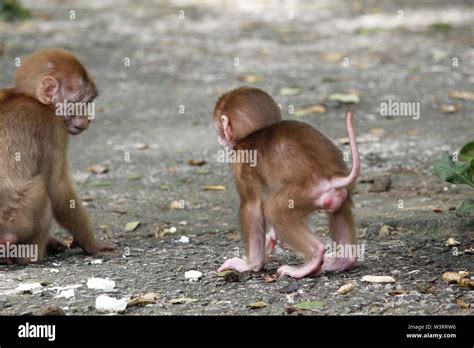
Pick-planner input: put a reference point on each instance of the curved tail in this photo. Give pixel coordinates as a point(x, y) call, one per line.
point(352, 177)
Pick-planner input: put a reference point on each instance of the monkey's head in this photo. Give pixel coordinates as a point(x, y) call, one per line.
point(55, 77)
point(241, 112)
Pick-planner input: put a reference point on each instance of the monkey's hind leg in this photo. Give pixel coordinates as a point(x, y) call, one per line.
point(343, 231)
point(30, 221)
point(291, 228)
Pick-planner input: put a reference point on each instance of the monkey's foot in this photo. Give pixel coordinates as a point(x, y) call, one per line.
point(312, 268)
point(239, 265)
point(55, 246)
point(338, 264)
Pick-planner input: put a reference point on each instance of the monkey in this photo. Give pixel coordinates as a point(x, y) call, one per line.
point(36, 186)
point(299, 171)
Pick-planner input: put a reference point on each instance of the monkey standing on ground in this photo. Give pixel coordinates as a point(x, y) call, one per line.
point(35, 182)
point(295, 163)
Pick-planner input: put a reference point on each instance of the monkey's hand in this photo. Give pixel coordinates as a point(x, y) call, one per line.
point(55, 246)
point(239, 265)
point(95, 248)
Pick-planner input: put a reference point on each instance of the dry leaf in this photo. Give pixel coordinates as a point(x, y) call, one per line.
point(257, 305)
point(378, 279)
point(461, 303)
point(314, 109)
point(197, 162)
point(289, 91)
point(142, 146)
point(131, 226)
point(142, 300)
point(377, 131)
point(97, 169)
point(452, 242)
point(331, 57)
point(250, 78)
point(270, 278)
point(119, 210)
point(437, 210)
point(462, 95)
point(214, 188)
point(450, 108)
point(454, 277)
point(176, 205)
point(346, 288)
point(160, 232)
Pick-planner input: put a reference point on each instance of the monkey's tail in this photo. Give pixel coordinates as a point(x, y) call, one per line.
point(352, 177)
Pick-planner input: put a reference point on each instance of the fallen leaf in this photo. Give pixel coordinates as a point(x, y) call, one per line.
point(223, 273)
point(462, 95)
point(142, 146)
point(198, 163)
point(176, 205)
point(142, 300)
point(377, 131)
point(270, 278)
point(165, 187)
point(309, 305)
point(437, 210)
point(250, 78)
point(384, 230)
point(133, 177)
point(461, 303)
point(346, 288)
point(163, 231)
point(289, 91)
point(344, 98)
point(378, 279)
point(331, 57)
point(119, 210)
point(450, 108)
point(214, 188)
point(397, 292)
point(97, 169)
point(100, 183)
point(454, 277)
point(314, 109)
point(183, 300)
point(131, 226)
point(257, 305)
point(202, 171)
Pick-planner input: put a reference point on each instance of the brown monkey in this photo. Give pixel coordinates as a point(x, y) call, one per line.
point(35, 182)
point(298, 171)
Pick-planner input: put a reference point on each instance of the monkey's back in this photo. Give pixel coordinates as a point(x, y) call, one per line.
point(291, 151)
point(26, 127)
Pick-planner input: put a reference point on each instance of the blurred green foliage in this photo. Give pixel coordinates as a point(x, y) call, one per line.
point(12, 9)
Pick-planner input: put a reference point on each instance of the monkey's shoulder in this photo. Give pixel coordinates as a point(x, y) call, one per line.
point(20, 107)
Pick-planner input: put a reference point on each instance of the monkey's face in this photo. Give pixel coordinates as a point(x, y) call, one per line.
point(72, 99)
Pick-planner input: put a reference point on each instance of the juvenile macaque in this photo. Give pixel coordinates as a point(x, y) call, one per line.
point(298, 171)
point(35, 184)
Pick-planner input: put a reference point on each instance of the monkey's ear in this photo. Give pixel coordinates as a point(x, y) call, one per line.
point(226, 126)
point(47, 89)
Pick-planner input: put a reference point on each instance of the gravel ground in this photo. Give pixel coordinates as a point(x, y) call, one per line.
point(184, 64)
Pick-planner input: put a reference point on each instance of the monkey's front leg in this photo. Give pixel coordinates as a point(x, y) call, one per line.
point(253, 232)
point(71, 215)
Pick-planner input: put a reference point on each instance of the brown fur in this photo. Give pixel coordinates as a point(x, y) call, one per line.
point(38, 187)
point(292, 159)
